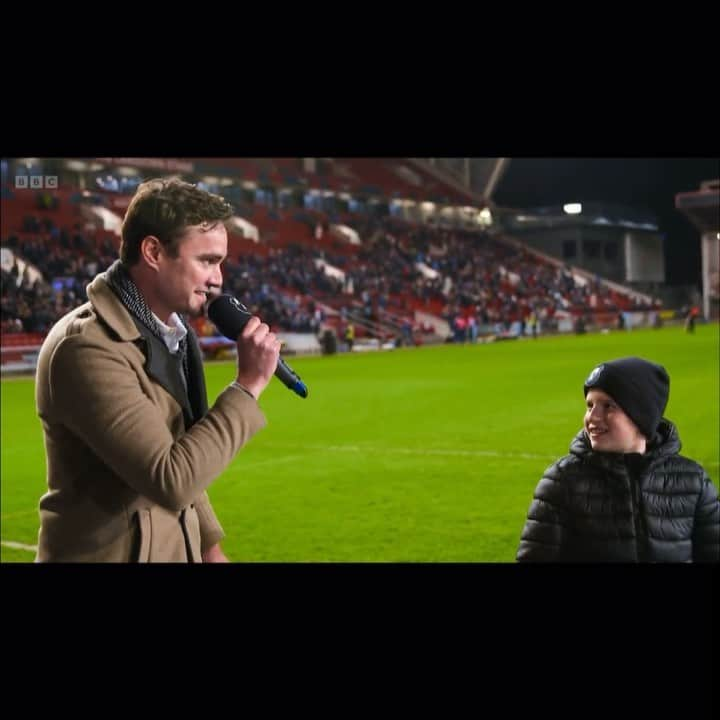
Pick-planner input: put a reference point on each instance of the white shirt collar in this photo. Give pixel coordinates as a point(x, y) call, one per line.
point(171, 334)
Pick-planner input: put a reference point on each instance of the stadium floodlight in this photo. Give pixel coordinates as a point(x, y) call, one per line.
point(572, 208)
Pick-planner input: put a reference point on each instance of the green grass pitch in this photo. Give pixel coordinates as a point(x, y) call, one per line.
point(412, 455)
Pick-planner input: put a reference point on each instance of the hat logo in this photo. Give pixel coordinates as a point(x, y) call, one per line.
point(595, 374)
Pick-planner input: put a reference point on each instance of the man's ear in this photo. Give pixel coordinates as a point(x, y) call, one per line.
point(150, 251)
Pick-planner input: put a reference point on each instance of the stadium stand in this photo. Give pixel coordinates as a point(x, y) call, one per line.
point(308, 258)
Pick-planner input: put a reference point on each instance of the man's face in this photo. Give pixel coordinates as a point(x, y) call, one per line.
point(608, 427)
point(184, 281)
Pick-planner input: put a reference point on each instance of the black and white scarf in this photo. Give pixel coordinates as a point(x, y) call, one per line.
point(119, 280)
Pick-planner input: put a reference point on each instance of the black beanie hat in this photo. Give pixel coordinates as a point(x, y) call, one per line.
point(639, 387)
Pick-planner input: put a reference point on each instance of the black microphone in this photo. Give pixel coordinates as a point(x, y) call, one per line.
point(230, 316)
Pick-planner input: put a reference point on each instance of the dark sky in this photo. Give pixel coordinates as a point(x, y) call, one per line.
point(642, 183)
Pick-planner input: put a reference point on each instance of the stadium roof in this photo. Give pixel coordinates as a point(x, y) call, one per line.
point(702, 206)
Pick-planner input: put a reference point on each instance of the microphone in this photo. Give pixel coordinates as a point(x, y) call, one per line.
point(230, 316)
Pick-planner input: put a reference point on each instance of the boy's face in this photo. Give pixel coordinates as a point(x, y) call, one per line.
point(608, 427)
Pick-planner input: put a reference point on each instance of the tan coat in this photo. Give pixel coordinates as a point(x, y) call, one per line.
point(126, 480)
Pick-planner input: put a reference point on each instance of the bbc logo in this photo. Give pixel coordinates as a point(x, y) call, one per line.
point(35, 182)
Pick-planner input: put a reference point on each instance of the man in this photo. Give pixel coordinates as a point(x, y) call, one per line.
point(624, 493)
point(350, 336)
point(131, 445)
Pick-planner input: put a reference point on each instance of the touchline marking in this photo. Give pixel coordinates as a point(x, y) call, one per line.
point(418, 451)
point(18, 546)
point(242, 467)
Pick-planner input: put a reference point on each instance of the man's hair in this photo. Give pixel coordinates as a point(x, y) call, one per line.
point(165, 208)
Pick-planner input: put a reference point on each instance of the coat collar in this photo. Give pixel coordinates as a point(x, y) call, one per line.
point(666, 442)
point(166, 369)
point(163, 367)
point(110, 310)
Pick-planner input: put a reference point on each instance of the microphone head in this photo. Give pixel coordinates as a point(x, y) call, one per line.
point(228, 315)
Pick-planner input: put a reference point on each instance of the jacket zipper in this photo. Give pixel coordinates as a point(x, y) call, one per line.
point(638, 519)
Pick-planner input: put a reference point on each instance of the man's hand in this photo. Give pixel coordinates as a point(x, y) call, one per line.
point(214, 554)
point(258, 351)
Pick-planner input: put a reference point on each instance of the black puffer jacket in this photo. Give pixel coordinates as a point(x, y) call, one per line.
point(609, 507)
